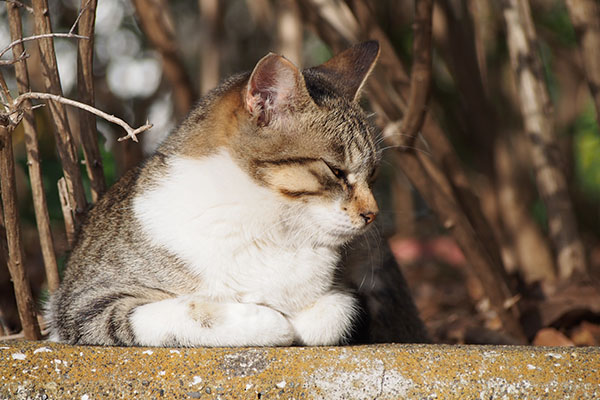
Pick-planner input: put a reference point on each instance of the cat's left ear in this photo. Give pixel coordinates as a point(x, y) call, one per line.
point(348, 71)
point(275, 89)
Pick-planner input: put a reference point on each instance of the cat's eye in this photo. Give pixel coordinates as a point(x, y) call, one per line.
point(373, 176)
point(338, 173)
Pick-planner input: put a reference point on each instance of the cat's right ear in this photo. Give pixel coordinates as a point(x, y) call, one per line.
point(275, 89)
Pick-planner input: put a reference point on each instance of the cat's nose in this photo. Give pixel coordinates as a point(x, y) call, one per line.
point(368, 216)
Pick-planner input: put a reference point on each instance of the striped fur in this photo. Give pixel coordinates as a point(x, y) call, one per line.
point(231, 233)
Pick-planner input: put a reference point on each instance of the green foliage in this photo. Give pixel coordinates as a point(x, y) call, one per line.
point(587, 151)
point(556, 20)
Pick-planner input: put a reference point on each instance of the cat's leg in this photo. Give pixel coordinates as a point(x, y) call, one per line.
point(328, 321)
point(189, 321)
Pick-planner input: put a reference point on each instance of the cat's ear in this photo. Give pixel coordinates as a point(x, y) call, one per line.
point(276, 87)
point(349, 70)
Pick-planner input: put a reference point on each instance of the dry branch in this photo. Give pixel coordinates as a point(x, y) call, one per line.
point(131, 132)
point(456, 38)
point(428, 179)
point(20, 57)
point(289, 31)
point(532, 251)
point(65, 207)
point(452, 200)
point(420, 75)
point(62, 132)
point(210, 14)
point(585, 16)
point(546, 158)
point(157, 24)
point(33, 158)
point(18, 274)
point(20, 41)
point(85, 87)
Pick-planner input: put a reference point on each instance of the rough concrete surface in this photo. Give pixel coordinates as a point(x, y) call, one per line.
point(43, 370)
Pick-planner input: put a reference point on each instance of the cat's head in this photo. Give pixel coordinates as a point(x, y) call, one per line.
point(304, 136)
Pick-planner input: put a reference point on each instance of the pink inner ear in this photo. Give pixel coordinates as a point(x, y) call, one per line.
point(271, 89)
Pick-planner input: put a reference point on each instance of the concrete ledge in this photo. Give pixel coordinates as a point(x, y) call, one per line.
point(42, 370)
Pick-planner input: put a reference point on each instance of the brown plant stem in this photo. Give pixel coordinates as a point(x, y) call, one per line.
point(20, 41)
point(85, 88)
point(33, 158)
point(443, 182)
point(420, 75)
point(131, 132)
point(457, 43)
point(65, 207)
point(210, 62)
point(585, 16)
point(428, 179)
point(157, 24)
point(62, 131)
point(434, 185)
point(289, 31)
point(18, 274)
point(546, 158)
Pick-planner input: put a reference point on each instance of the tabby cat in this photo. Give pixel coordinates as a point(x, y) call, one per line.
point(232, 233)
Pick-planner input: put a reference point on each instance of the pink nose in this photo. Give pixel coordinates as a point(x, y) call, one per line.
point(368, 217)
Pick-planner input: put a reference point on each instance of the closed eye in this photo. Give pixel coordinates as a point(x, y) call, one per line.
point(373, 175)
point(338, 173)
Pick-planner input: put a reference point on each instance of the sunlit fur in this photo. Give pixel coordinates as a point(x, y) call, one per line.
point(232, 232)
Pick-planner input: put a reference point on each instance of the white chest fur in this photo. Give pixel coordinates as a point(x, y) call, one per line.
point(235, 235)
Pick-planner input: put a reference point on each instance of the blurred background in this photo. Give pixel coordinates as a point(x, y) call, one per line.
point(152, 65)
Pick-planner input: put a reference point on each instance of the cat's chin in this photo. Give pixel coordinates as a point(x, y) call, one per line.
point(337, 239)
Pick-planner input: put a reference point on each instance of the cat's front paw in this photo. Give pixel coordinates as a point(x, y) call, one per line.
point(328, 321)
point(265, 327)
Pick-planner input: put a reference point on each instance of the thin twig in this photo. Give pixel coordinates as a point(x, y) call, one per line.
point(20, 5)
point(440, 179)
point(67, 211)
point(65, 142)
point(157, 23)
point(41, 36)
point(22, 57)
point(85, 7)
point(131, 132)
point(40, 204)
point(420, 76)
point(536, 108)
point(88, 133)
point(6, 96)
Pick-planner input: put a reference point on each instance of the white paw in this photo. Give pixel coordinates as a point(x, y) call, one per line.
point(326, 322)
point(241, 324)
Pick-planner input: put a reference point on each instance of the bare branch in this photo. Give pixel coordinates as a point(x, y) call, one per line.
point(585, 16)
point(210, 55)
point(5, 92)
point(440, 179)
point(67, 211)
point(20, 5)
point(157, 24)
point(16, 267)
point(22, 57)
point(536, 109)
point(83, 9)
point(131, 132)
point(41, 36)
point(88, 133)
point(33, 158)
point(289, 31)
point(420, 77)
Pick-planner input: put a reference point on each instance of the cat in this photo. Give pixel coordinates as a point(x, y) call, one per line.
point(235, 231)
